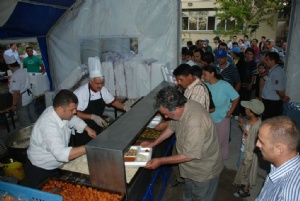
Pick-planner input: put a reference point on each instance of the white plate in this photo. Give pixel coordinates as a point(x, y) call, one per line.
point(143, 155)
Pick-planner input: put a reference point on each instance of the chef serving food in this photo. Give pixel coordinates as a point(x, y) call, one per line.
point(50, 137)
point(92, 99)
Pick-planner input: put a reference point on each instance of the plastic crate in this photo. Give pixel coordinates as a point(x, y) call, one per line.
point(28, 193)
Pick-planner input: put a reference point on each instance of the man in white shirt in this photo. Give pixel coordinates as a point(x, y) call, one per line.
point(278, 140)
point(13, 50)
point(246, 41)
point(92, 99)
point(234, 39)
point(50, 137)
point(19, 87)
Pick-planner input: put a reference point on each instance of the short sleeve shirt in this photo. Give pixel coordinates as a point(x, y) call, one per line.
point(20, 81)
point(230, 74)
point(198, 92)
point(32, 64)
point(196, 138)
point(222, 94)
point(275, 81)
point(82, 94)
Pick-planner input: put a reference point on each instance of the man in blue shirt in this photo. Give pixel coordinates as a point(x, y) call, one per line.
point(273, 92)
point(278, 139)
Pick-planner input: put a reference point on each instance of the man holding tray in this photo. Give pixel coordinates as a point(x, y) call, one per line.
point(199, 155)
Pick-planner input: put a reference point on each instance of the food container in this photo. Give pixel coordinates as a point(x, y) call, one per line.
point(18, 142)
point(137, 156)
point(149, 134)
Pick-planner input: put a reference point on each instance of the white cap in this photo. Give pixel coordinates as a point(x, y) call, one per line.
point(95, 69)
point(9, 59)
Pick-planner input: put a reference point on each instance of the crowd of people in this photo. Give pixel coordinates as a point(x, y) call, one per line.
point(19, 80)
point(241, 80)
point(244, 80)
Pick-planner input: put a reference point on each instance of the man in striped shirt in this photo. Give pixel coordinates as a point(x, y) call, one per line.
point(194, 89)
point(278, 139)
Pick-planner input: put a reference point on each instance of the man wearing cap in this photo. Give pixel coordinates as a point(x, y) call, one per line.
point(273, 92)
point(206, 46)
point(229, 58)
point(19, 87)
point(227, 70)
point(13, 50)
point(247, 160)
point(92, 99)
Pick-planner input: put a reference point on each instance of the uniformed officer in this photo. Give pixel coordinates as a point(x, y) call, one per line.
point(92, 99)
point(273, 92)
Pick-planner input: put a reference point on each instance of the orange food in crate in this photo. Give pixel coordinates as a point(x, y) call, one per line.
point(72, 192)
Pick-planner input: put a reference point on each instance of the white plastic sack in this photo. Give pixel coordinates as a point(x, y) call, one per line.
point(108, 72)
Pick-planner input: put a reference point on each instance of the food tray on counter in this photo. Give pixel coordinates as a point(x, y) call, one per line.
point(149, 134)
point(137, 156)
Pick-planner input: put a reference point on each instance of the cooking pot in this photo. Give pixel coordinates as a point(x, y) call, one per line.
point(18, 142)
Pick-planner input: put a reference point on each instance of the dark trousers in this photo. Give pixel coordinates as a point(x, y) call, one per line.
point(272, 108)
point(38, 175)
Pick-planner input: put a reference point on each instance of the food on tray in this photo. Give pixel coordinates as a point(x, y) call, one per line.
point(129, 159)
point(72, 192)
point(131, 152)
point(150, 133)
point(142, 158)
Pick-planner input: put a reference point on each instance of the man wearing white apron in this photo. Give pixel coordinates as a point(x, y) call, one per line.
point(19, 87)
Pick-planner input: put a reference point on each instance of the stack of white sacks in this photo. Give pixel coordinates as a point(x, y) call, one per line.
point(134, 77)
point(125, 77)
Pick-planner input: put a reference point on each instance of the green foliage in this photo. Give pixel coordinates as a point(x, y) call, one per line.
point(22, 47)
point(246, 14)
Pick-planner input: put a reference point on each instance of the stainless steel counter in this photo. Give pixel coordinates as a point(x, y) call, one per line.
point(105, 153)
